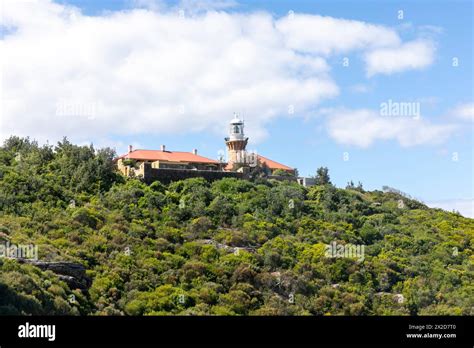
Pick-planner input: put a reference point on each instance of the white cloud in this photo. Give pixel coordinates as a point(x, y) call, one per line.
point(143, 71)
point(187, 6)
point(152, 72)
point(363, 127)
point(326, 35)
point(155, 5)
point(463, 206)
point(464, 112)
point(411, 55)
point(196, 6)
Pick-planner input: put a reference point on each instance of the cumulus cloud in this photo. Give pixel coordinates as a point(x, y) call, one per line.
point(144, 71)
point(464, 112)
point(189, 6)
point(153, 71)
point(411, 55)
point(363, 127)
point(326, 35)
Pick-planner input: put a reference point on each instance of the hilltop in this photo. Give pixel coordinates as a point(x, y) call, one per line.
point(230, 247)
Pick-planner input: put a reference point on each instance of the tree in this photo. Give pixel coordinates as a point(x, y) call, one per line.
point(322, 176)
point(281, 172)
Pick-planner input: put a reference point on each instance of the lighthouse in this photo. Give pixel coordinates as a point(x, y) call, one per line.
point(236, 142)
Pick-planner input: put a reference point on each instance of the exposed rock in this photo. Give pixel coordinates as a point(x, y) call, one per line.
point(399, 298)
point(276, 274)
point(74, 274)
point(226, 247)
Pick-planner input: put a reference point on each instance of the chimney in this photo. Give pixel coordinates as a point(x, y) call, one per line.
point(163, 148)
point(130, 148)
point(195, 151)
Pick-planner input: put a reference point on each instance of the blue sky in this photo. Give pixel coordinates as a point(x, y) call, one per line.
point(337, 108)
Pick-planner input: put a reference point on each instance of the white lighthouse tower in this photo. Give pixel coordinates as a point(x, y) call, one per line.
point(236, 142)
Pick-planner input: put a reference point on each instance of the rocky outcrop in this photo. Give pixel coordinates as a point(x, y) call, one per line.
point(74, 274)
point(399, 298)
point(225, 247)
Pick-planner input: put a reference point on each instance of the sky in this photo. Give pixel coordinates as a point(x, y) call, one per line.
point(380, 92)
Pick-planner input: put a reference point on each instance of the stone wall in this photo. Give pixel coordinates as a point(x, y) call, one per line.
point(168, 175)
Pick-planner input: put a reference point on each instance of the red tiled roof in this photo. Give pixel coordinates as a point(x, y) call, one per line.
point(171, 156)
point(272, 164)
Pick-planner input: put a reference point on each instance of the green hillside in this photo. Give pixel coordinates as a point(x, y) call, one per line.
point(231, 247)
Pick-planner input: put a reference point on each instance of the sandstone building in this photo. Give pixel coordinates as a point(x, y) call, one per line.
point(164, 164)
